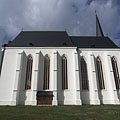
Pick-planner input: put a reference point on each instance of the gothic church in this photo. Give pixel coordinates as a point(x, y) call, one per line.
point(53, 68)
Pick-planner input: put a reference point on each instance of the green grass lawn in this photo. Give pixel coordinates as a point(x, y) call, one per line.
point(84, 112)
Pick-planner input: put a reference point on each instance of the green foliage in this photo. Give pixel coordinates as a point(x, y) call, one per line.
point(84, 112)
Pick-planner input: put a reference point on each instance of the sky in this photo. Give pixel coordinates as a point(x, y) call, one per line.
point(77, 17)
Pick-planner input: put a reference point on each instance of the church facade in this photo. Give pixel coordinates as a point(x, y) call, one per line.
point(52, 68)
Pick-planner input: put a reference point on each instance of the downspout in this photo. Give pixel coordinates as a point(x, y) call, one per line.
point(2, 59)
point(78, 51)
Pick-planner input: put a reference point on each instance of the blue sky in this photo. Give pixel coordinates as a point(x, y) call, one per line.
point(77, 16)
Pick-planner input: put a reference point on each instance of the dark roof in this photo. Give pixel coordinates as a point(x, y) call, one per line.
point(93, 42)
point(59, 39)
point(41, 39)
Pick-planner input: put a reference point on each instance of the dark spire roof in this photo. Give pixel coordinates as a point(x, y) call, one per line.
point(99, 32)
point(59, 39)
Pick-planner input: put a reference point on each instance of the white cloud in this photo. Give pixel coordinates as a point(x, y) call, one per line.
point(76, 15)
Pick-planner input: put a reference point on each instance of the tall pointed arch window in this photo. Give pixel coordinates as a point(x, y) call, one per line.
point(100, 73)
point(46, 72)
point(84, 74)
point(28, 72)
point(115, 72)
point(64, 73)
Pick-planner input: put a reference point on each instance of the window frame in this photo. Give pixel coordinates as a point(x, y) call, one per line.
point(28, 74)
point(46, 87)
point(86, 74)
point(116, 86)
point(101, 82)
point(65, 87)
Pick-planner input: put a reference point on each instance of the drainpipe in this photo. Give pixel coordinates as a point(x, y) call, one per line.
point(78, 51)
point(2, 58)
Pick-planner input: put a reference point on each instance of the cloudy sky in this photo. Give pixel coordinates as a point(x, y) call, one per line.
point(76, 16)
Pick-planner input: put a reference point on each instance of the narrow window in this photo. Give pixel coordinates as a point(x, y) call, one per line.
point(28, 72)
point(99, 72)
point(64, 73)
point(46, 72)
point(84, 74)
point(115, 72)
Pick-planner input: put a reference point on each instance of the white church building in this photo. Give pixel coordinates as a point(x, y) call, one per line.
point(53, 68)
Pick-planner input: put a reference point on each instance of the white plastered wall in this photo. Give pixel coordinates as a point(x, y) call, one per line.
point(95, 95)
point(12, 81)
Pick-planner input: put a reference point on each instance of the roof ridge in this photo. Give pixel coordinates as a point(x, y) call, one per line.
point(42, 31)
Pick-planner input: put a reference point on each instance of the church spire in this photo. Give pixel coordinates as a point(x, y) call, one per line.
point(99, 32)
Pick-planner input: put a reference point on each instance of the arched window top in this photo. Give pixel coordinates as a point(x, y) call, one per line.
point(98, 58)
point(83, 59)
point(113, 58)
point(47, 57)
point(30, 57)
point(64, 57)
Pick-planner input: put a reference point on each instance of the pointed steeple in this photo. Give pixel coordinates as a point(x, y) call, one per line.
point(99, 32)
